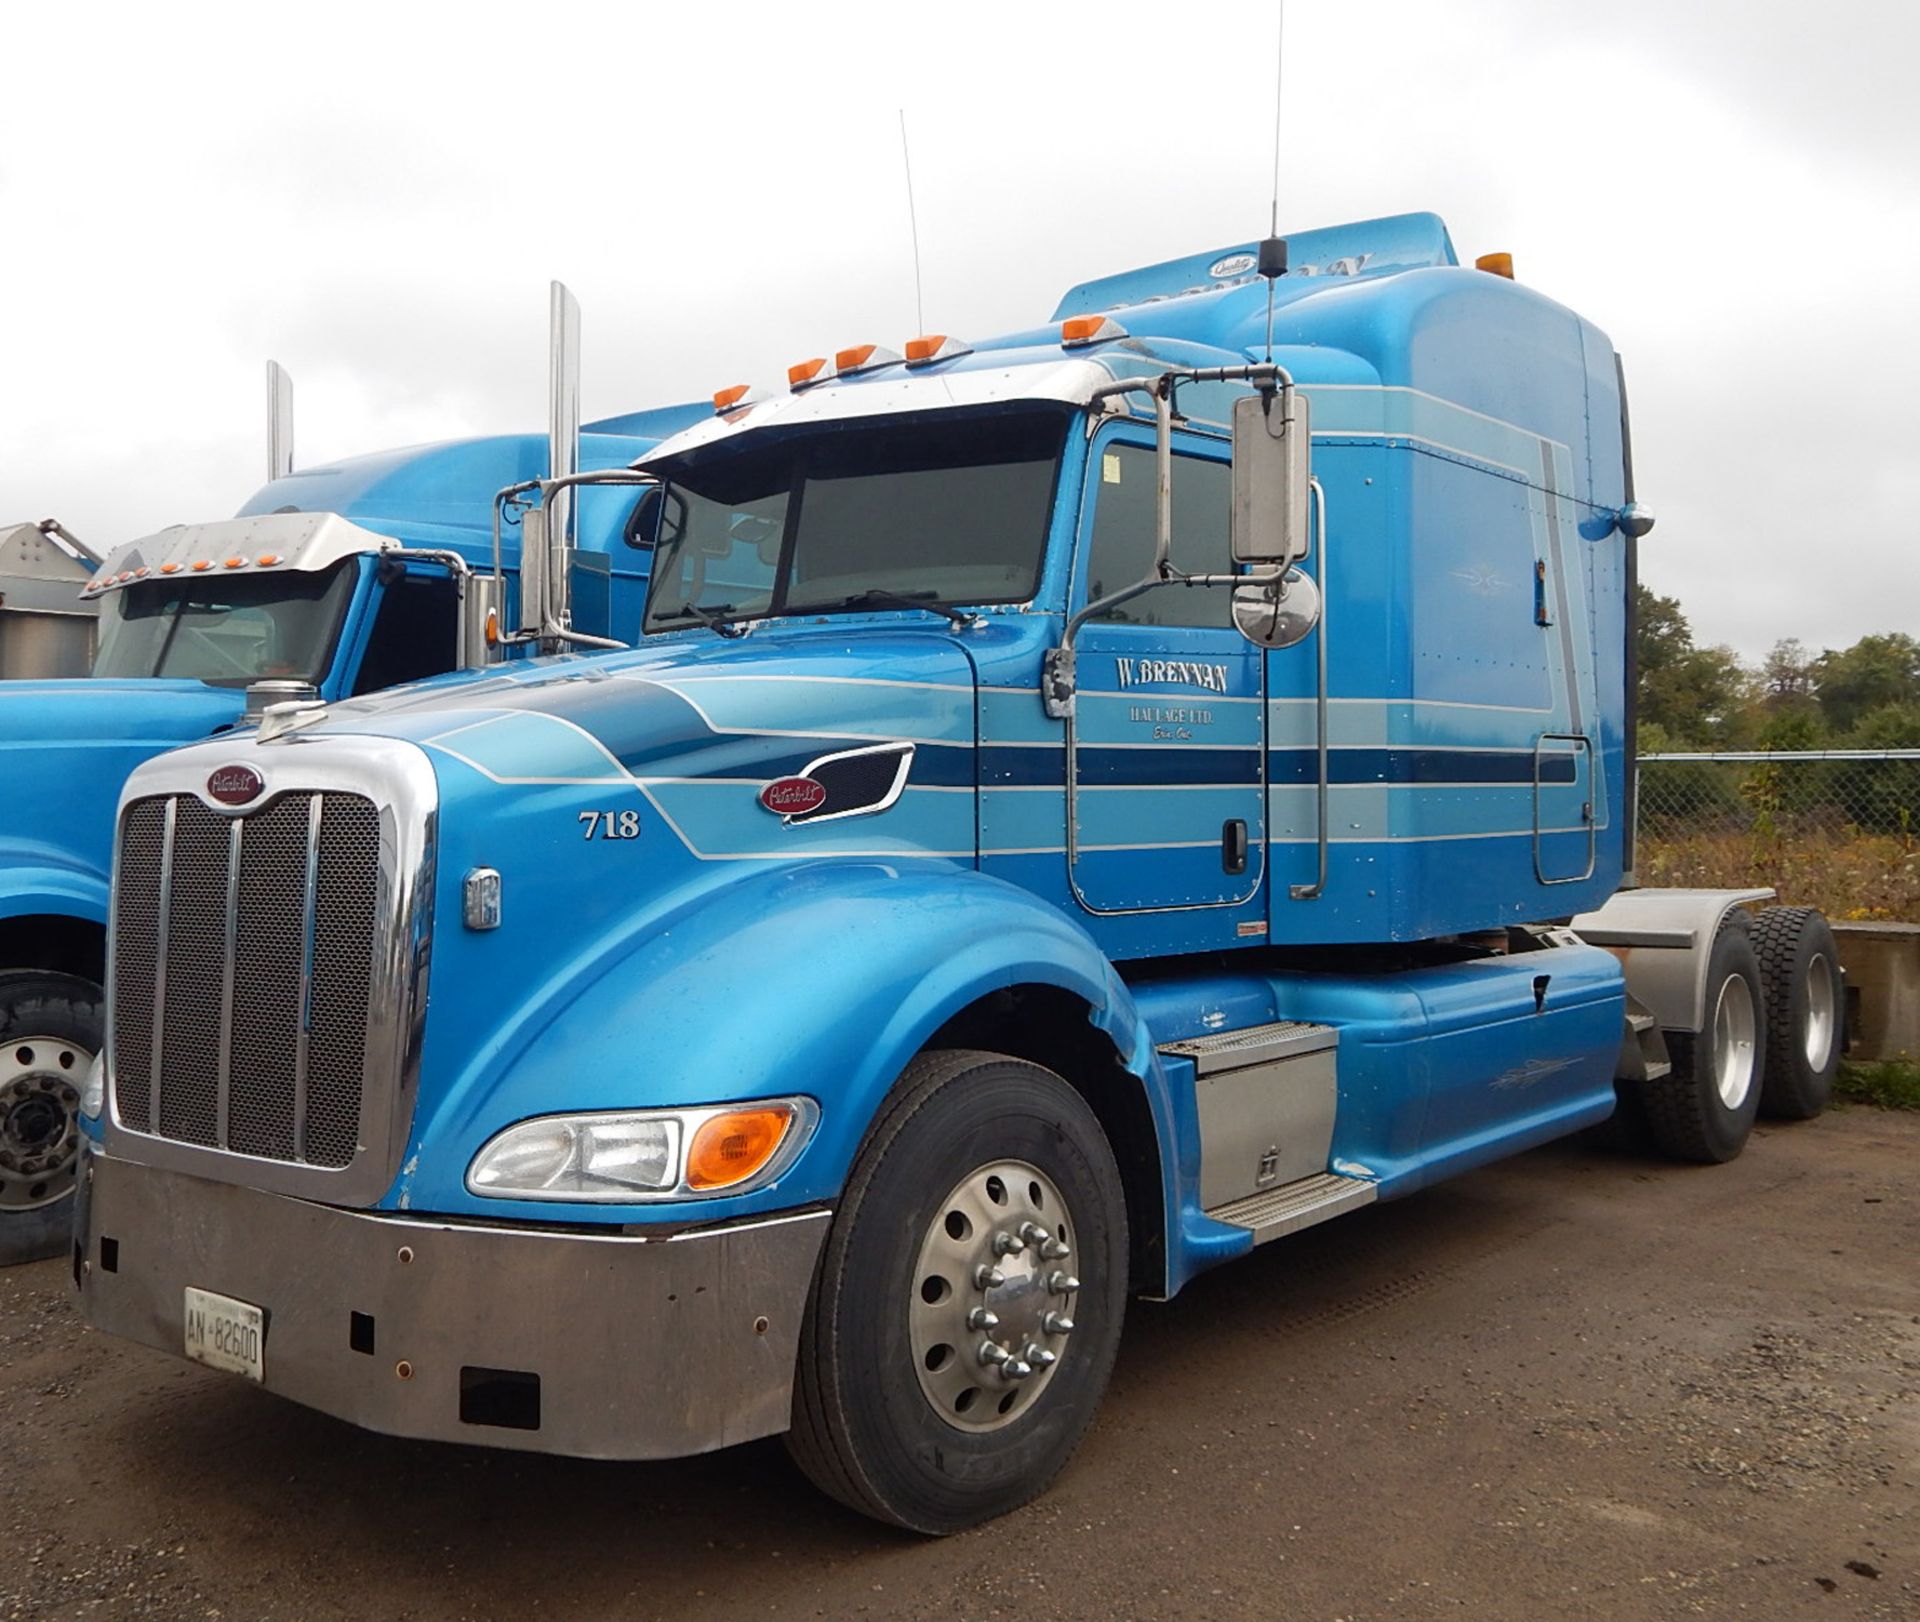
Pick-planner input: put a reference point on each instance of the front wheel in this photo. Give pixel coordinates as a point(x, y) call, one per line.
point(50, 1030)
point(969, 1298)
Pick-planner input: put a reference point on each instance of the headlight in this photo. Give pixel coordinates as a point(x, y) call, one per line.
point(644, 1154)
point(93, 1091)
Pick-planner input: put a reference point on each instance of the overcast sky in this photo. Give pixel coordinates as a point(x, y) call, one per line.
point(377, 195)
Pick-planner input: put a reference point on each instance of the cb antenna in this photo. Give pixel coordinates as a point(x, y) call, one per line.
point(913, 226)
point(1273, 251)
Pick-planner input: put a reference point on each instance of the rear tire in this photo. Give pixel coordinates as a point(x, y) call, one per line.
point(1704, 1109)
point(908, 1407)
point(50, 1029)
point(1800, 970)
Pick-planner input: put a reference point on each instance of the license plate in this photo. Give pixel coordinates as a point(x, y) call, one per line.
point(226, 1334)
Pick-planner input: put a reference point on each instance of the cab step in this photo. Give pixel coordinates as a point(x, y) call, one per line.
point(1253, 1044)
point(1275, 1212)
point(1643, 1046)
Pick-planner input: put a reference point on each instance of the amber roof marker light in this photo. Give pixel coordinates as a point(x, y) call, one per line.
point(1079, 330)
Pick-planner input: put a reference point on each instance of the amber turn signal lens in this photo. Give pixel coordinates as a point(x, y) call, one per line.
point(730, 1148)
point(730, 397)
point(1495, 264)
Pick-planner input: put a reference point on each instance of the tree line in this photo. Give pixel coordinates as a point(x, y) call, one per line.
point(1866, 696)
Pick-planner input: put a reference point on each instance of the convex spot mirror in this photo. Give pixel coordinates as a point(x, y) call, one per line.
point(1280, 614)
point(1272, 473)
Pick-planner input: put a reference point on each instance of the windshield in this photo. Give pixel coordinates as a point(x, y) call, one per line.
point(951, 509)
point(226, 630)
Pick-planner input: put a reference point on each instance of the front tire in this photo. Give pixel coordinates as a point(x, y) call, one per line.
point(1705, 1107)
point(50, 1029)
point(1800, 966)
point(969, 1300)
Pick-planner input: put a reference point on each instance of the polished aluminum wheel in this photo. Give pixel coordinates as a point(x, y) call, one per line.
point(1817, 1038)
point(1734, 1030)
point(992, 1295)
point(40, 1079)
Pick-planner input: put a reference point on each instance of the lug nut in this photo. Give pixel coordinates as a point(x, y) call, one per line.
point(1033, 1233)
point(992, 1352)
point(1008, 1244)
point(988, 1278)
point(1015, 1368)
point(1059, 1283)
point(1038, 1356)
point(1057, 1323)
point(980, 1318)
point(1055, 1250)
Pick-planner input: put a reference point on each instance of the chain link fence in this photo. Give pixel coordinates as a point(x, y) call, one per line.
point(1838, 829)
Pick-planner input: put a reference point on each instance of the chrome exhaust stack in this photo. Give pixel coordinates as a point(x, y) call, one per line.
point(546, 531)
point(279, 421)
point(563, 445)
point(544, 508)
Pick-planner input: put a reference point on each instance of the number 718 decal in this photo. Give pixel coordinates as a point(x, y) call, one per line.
point(610, 824)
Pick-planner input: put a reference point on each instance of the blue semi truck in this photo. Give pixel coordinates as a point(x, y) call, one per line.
point(331, 581)
point(1086, 805)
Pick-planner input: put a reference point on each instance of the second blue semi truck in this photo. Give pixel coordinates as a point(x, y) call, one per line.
point(331, 581)
point(1087, 805)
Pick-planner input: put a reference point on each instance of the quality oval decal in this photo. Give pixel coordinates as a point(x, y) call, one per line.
point(235, 785)
point(793, 796)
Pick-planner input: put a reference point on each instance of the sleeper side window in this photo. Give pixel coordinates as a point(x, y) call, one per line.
point(1124, 523)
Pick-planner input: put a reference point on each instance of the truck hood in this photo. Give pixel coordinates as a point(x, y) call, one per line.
point(66, 747)
point(618, 800)
point(90, 712)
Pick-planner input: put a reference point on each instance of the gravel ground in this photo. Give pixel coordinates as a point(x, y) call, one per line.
point(1577, 1384)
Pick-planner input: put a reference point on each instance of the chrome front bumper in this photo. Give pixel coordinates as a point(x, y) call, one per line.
point(615, 1346)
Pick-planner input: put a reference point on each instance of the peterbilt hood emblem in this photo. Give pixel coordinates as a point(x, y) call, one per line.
point(235, 785)
point(793, 796)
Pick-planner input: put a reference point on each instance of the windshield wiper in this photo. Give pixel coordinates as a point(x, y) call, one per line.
point(716, 617)
point(879, 597)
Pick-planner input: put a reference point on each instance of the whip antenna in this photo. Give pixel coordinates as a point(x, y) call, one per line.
point(913, 225)
point(1279, 64)
point(1273, 252)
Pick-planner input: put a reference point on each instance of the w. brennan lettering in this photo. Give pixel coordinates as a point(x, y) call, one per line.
point(1171, 672)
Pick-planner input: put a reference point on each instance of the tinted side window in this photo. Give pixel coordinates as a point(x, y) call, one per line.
point(1123, 536)
point(415, 634)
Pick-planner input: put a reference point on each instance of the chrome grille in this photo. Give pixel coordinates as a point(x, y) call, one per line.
point(136, 952)
point(243, 970)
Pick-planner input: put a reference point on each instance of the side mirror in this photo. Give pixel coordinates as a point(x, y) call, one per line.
point(1280, 614)
point(1272, 469)
point(1634, 520)
point(533, 571)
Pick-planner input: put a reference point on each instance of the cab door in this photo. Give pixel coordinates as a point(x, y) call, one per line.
point(1166, 750)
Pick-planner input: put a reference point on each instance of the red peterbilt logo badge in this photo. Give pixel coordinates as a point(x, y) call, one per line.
point(793, 796)
point(236, 785)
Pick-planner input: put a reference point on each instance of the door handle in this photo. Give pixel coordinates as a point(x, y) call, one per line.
point(1233, 845)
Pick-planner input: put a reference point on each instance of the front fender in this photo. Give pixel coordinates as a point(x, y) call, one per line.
point(35, 881)
point(823, 979)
